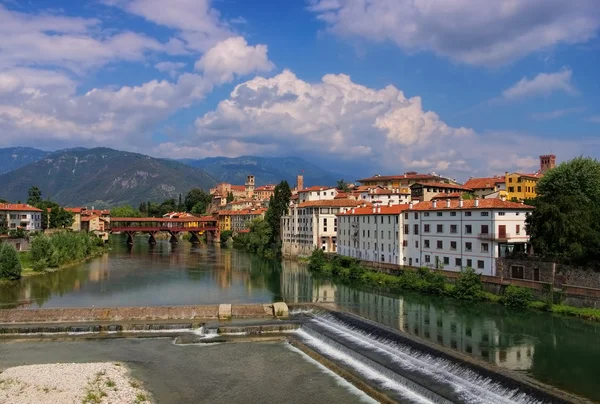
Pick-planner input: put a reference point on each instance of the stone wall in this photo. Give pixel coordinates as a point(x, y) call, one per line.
point(295, 249)
point(20, 244)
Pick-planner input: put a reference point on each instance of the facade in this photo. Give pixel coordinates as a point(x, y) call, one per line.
point(240, 204)
point(483, 187)
point(76, 212)
point(20, 216)
point(424, 192)
point(313, 224)
point(224, 220)
point(395, 196)
point(240, 219)
point(264, 192)
point(404, 180)
point(317, 193)
point(450, 234)
point(93, 223)
point(521, 186)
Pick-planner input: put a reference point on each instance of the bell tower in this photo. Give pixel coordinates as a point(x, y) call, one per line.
point(547, 162)
point(249, 186)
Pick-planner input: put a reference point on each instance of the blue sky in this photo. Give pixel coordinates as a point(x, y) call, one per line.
point(355, 86)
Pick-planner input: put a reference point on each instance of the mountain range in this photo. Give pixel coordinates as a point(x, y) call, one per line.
point(103, 177)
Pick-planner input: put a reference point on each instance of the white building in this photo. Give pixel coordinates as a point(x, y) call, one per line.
point(312, 224)
point(437, 234)
point(371, 233)
point(23, 216)
point(317, 194)
point(395, 196)
point(457, 234)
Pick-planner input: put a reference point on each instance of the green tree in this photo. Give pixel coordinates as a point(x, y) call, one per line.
point(34, 196)
point(41, 253)
point(198, 199)
point(565, 222)
point(342, 185)
point(230, 197)
point(143, 208)
point(467, 196)
point(125, 211)
point(10, 266)
point(60, 218)
point(278, 206)
point(468, 285)
point(180, 205)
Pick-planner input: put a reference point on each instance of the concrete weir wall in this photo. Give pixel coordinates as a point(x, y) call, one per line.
point(207, 312)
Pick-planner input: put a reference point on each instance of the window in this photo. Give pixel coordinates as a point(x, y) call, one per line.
point(389, 234)
point(440, 244)
point(453, 228)
point(426, 228)
point(446, 261)
point(416, 215)
point(427, 258)
point(453, 245)
point(467, 213)
point(516, 271)
point(416, 243)
point(470, 263)
point(485, 213)
point(468, 229)
point(457, 262)
point(518, 229)
point(363, 232)
point(405, 243)
point(389, 219)
point(452, 213)
point(510, 179)
point(519, 189)
point(426, 214)
point(416, 229)
point(381, 233)
point(440, 213)
point(405, 229)
point(536, 274)
point(396, 219)
point(468, 246)
point(406, 215)
point(501, 213)
point(511, 189)
point(389, 248)
point(440, 228)
point(484, 229)
point(426, 243)
point(480, 264)
point(369, 233)
point(381, 221)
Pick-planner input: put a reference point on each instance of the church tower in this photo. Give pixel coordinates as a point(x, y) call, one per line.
point(547, 162)
point(249, 186)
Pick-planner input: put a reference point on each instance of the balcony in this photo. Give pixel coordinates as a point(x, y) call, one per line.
point(490, 236)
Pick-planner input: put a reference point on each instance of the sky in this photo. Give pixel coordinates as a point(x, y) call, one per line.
point(457, 87)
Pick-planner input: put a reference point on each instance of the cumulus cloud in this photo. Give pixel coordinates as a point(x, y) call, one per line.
point(500, 32)
point(172, 68)
point(543, 84)
point(66, 42)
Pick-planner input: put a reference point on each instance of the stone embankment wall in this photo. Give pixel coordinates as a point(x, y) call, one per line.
point(143, 313)
point(296, 250)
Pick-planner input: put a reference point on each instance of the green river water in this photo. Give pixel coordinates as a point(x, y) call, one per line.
point(563, 352)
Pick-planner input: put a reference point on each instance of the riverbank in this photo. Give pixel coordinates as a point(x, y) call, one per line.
point(87, 383)
point(467, 286)
point(28, 270)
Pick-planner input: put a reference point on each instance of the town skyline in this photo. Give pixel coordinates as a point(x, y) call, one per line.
point(306, 79)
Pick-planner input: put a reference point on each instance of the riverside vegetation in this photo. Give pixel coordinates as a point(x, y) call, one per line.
point(468, 285)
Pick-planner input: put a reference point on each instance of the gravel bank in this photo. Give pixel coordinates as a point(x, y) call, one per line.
point(77, 383)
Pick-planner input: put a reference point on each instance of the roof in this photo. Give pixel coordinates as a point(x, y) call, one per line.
point(316, 188)
point(334, 203)
point(268, 187)
point(258, 211)
point(441, 185)
point(534, 175)
point(18, 207)
point(74, 210)
point(385, 191)
point(238, 188)
point(98, 212)
point(451, 195)
point(484, 182)
point(470, 204)
point(155, 219)
point(205, 218)
point(88, 218)
point(381, 210)
point(408, 175)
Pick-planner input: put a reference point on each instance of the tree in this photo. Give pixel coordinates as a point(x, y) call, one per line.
point(565, 222)
point(35, 196)
point(198, 199)
point(278, 206)
point(180, 205)
point(125, 211)
point(10, 266)
point(230, 197)
point(467, 196)
point(342, 185)
point(60, 218)
point(143, 208)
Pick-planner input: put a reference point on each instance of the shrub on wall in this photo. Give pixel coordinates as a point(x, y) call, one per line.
point(10, 266)
point(517, 297)
point(468, 285)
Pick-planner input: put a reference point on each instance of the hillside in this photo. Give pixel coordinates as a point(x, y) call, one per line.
point(103, 177)
point(267, 170)
point(13, 158)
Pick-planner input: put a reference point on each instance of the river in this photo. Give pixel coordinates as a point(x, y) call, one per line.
point(560, 351)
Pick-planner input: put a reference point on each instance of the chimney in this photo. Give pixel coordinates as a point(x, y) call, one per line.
point(522, 202)
point(353, 211)
point(503, 197)
point(363, 205)
point(410, 205)
point(390, 202)
point(379, 209)
point(447, 203)
point(476, 202)
point(434, 204)
point(374, 209)
point(460, 203)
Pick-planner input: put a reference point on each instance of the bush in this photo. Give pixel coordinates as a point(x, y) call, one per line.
point(317, 260)
point(10, 266)
point(468, 285)
point(225, 235)
point(516, 297)
point(41, 252)
point(62, 248)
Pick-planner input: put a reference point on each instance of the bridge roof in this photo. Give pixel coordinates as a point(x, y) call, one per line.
point(156, 219)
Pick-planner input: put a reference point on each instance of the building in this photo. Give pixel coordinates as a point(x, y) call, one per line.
point(522, 186)
point(77, 215)
point(547, 162)
point(20, 216)
point(264, 192)
point(240, 219)
point(317, 193)
point(457, 234)
point(382, 195)
point(404, 180)
point(371, 233)
point(80, 213)
point(93, 223)
point(485, 186)
point(241, 204)
point(424, 192)
point(224, 220)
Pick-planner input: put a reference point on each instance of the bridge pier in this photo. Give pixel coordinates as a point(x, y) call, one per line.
point(151, 238)
point(174, 239)
point(130, 235)
point(195, 237)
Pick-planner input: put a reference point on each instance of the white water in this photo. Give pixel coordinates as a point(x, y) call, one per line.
point(472, 387)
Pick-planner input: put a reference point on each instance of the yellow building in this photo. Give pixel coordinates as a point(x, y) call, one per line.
point(224, 220)
point(521, 186)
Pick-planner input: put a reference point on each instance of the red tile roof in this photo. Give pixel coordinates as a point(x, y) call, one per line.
point(74, 210)
point(484, 182)
point(316, 188)
point(334, 203)
point(470, 204)
point(409, 175)
point(18, 207)
point(238, 188)
point(381, 210)
point(268, 187)
point(442, 185)
point(451, 195)
point(385, 191)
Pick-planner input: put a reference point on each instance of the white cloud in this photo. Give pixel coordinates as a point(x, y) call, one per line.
point(543, 84)
point(233, 57)
point(557, 113)
point(67, 42)
point(594, 119)
point(497, 33)
point(199, 25)
point(172, 68)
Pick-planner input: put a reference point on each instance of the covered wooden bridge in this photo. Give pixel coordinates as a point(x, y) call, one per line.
point(196, 226)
